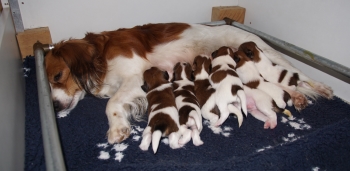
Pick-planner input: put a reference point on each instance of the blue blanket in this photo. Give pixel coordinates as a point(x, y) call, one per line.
point(318, 138)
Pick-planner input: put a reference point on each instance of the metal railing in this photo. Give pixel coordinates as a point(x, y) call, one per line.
point(52, 146)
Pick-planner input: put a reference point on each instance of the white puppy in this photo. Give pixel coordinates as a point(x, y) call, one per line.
point(187, 104)
point(288, 79)
point(163, 117)
point(264, 99)
point(229, 95)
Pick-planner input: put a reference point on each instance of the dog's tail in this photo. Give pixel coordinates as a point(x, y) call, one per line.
point(157, 134)
point(196, 117)
point(243, 98)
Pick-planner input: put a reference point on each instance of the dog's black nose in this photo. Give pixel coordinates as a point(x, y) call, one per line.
point(56, 106)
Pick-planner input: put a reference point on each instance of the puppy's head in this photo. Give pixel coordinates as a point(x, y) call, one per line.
point(240, 58)
point(183, 71)
point(201, 66)
point(72, 70)
point(153, 78)
point(222, 51)
point(251, 50)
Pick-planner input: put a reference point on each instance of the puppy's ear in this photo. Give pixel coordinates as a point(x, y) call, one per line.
point(166, 75)
point(145, 87)
point(236, 58)
point(214, 54)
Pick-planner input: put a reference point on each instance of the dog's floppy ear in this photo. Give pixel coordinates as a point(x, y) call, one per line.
point(236, 58)
point(166, 75)
point(214, 54)
point(83, 60)
point(144, 87)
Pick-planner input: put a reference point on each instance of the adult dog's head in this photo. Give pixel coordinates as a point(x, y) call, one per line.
point(75, 67)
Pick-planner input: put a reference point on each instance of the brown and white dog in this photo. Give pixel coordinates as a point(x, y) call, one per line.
point(205, 92)
point(163, 117)
point(264, 99)
point(229, 94)
point(110, 64)
point(187, 104)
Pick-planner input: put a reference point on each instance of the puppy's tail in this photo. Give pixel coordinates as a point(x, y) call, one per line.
point(242, 97)
point(157, 134)
point(196, 117)
point(308, 91)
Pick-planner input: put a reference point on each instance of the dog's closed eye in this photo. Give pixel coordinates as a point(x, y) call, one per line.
point(57, 77)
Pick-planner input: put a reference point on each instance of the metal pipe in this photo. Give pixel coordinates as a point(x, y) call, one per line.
point(52, 146)
point(300, 52)
point(16, 16)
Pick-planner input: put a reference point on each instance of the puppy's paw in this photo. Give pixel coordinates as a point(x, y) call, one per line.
point(270, 124)
point(186, 136)
point(300, 102)
point(118, 134)
point(197, 142)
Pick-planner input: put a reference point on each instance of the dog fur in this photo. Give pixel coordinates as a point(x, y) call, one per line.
point(187, 104)
point(163, 117)
point(229, 94)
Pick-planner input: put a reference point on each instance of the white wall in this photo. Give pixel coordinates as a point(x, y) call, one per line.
point(318, 26)
point(12, 111)
point(321, 27)
point(73, 18)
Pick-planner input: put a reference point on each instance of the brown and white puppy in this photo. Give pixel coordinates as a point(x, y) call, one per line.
point(229, 94)
point(204, 91)
point(264, 99)
point(295, 83)
point(187, 104)
point(163, 117)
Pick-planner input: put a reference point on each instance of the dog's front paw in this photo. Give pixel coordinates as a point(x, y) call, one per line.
point(118, 134)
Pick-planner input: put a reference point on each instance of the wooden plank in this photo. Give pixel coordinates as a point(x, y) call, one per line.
point(27, 39)
point(236, 13)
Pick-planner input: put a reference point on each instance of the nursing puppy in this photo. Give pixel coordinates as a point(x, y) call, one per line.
point(204, 92)
point(229, 95)
point(187, 104)
point(264, 99)
point(295, 83)
point(163, 117)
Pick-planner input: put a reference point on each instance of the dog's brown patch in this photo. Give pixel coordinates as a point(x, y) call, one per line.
point(199, 63)
point(253, 84)
point(282, 75)
point(154, 78)
point(294, 80)
point(235, 89)
point(218, 76)
point(222, 51)
point(164, 123)
point(251, 50)
point(215, 110)
point(184, 113)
